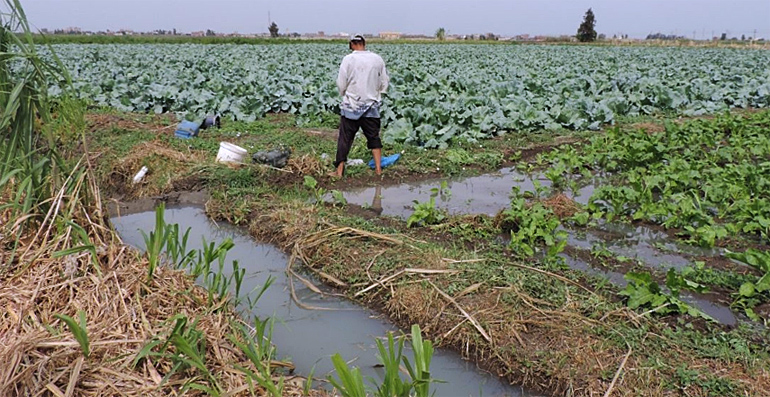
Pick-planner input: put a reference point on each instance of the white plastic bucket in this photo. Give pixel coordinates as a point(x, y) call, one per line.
point(229, 153)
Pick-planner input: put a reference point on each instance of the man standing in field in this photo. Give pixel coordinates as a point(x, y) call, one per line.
point(361, 81)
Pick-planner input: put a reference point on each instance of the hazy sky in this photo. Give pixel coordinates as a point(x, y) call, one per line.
point(636, 18)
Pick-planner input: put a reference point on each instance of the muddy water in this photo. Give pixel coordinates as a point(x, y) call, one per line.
point(650, 248)
point(721, 313)
point(490, 193)
point(638, 243)
point(310, 337)
point(484, 194)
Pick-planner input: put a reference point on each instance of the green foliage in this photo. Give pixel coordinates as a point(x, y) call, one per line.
point(308, 383)
point(724, 279)
point(32, 173)
point(339, 198)
point(350, 383)
point(754, 292)
point(709, 179)
point(443, 191)
point(391, 357)
point(440, 34)
point(78, 330)
point(318, 192)
point(260, 351)
point(185, 347)
point(581, 218)
point(711, 384)
point(432, 104)
point(419, 370)
point(156, 241)
point(165, 245)
point(587, 30)
point(532, 225)
point(643, 292)
point(426, 213)
point(273, 28)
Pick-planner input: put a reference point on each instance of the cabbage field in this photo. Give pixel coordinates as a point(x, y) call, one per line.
point(439, 93)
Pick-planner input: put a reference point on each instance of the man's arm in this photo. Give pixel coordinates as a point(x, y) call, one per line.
point(342, 77)
point(384, 79)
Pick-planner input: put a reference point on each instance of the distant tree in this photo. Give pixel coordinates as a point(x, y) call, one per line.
point(273, 28)
point(174, 32)
point(210, 32)
point(743, 37)
point(723, 37)
point(587, 31)
point(441, 34)
point(602, 36)
point(661, 36)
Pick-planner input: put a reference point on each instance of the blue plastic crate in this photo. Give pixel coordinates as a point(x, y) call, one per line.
point(187, 130)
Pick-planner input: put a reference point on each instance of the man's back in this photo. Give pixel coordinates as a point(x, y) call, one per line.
point(362, 79)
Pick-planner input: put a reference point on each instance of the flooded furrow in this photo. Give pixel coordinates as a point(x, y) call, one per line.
point(719, 312)
point(483, 194)
point(310, 337)
point(490, 193)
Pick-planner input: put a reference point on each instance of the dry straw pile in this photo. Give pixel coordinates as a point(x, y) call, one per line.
point(124, 311)
point(81, 313)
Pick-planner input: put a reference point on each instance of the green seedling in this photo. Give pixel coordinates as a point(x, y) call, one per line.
point(339, 198)
point(349, 382)
point(752, 293)
point(426, 214)
point(643, 292)
point(156, 241)
point(78, 330)
point(318, 192)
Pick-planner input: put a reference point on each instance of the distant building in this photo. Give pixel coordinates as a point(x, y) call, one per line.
point(199, 33)
point(390, 35)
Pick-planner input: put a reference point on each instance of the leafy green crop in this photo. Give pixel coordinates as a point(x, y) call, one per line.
point(753, 292)
point(532, 225)
point(438, 94)
point(708, 179)
point(426, 214)
point(643, 292)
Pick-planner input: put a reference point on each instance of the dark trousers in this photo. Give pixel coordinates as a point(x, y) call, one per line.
point(348, 130)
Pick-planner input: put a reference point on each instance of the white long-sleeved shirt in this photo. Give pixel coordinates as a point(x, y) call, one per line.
point(361, 81)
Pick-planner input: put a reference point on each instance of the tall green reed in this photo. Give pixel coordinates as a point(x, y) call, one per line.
point(349, 381)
